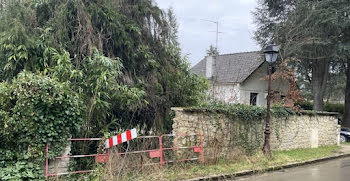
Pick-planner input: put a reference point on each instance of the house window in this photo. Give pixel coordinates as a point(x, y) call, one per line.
point(253, 98)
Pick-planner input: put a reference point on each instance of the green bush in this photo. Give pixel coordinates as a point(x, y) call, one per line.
point(245, 112)
point(306, 105)
point(339, 108)
point(34, 110)
point(329, 107)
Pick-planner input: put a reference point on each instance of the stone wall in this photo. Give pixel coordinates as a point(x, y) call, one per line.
point(305, 130)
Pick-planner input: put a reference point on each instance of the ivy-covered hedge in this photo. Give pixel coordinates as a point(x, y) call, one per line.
point(245, 112)
point(34, 110)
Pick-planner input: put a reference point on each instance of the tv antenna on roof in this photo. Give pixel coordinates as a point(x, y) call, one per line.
point(217, 31)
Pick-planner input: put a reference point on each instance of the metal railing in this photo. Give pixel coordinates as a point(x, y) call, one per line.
point(158, 152)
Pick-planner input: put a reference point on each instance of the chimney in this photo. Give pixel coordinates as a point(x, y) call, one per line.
point(209, 61)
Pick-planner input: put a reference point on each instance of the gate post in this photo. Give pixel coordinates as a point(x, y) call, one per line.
point(161, 152)
point(47, 161)
point(202, 154)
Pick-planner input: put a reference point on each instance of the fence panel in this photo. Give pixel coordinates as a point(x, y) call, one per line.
point(149, 150)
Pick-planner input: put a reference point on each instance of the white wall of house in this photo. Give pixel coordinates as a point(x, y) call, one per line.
point(255, 83)
point(241, 92)
point(226, 92)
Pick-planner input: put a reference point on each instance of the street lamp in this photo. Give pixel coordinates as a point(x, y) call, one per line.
point(271, 52)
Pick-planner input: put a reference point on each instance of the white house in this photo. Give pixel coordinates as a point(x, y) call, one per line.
point(238, 77)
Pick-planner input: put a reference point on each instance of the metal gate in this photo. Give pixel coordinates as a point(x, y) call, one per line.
point(159, 155)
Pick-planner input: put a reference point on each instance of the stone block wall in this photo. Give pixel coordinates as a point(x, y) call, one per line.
point(60, 165)
point(221, 134)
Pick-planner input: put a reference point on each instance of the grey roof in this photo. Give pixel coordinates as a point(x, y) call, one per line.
point(235, 67)
point(199, 68)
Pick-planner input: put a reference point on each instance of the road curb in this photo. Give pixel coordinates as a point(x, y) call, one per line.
point(270, 169)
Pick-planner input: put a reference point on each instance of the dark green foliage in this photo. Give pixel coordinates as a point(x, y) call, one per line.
point(306, 105)
point(138, 33)
point(120, 59)
point(328, 107)
point(35, 110)
point(313, 31)
point(237, 111)
point(245, 112)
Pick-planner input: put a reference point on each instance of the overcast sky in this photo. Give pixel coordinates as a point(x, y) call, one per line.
point(235, 21)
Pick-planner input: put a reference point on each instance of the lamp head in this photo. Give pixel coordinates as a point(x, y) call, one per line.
point(271, 52)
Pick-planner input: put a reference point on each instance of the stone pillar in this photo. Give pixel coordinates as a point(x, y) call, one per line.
point(60, 165)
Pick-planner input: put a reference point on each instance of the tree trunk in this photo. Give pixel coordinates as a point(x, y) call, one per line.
point(320, 70)
point(346, 119)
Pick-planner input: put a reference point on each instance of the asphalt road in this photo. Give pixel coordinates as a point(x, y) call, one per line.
point(334, 170)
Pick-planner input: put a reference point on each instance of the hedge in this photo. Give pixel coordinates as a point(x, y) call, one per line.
point(34, 110)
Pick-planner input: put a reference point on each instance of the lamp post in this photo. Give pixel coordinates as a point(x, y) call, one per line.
point(271, 52)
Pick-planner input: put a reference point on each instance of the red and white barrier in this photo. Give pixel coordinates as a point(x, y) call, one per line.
point(121, 138)
point(153, 153)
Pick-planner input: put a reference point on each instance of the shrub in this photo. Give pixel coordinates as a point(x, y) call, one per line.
point(34, 110)
point(329, 107)
point(306, 105)
point(339, 108)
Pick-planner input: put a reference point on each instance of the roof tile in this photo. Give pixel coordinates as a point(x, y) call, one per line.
point(231, 67)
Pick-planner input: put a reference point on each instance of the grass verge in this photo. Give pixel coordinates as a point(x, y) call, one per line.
point(256, 161)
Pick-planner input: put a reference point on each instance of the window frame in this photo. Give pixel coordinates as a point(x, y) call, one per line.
point(253, 101)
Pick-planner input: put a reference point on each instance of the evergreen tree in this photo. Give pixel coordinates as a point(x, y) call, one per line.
point(305, 31)
point(314, 31)
point(212, 51)
point(37, 35)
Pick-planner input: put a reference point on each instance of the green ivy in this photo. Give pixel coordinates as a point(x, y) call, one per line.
point(245, 112)
point(21, 170)
point(35, 110)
